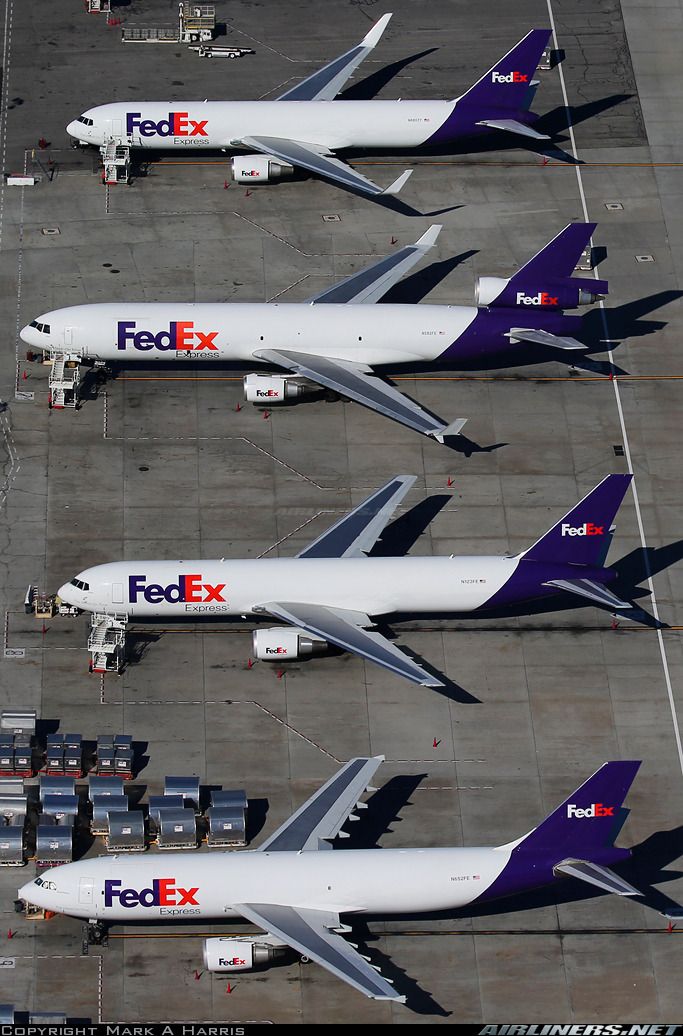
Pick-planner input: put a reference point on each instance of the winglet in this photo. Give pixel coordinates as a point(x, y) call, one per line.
point(454, 428)
point(428, 239)
point(372, 38)
point(396, 186)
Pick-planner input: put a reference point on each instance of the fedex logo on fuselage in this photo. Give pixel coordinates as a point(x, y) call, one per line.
point(178, 124)
point(587, 529)
point(542, 299)
point(188, 589)
point(163, 893)
point(181, 336)
point(596, 810)
point(511, 77)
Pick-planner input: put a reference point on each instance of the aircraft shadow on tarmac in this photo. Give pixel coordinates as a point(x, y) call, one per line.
point(367, 88)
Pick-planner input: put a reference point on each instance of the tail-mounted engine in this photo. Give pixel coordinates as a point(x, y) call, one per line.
point(259, 169)
point(284, 642)
point(271, 389)
point(555, 293)
point(225, 955)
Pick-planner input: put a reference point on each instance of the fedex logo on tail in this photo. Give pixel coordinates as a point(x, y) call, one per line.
point(542, 299)
point(587, 529)
point(163, 892)
point(178, 124)
point(511, 77)
point(181, 335)
point(188, 589)
point(596, 810)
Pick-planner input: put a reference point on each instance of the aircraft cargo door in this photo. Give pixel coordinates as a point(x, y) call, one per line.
point(117, 593)
point(85, 890)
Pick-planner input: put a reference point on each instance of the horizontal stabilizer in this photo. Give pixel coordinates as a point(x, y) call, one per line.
point(602, 877)
point(512, 126)
point(530, 334)
point(595, 592)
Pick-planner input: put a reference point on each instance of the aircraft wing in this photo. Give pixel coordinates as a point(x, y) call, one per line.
point(357, 532)
point(325, 84)
point(312, 933)
point(321, 817)
point(371, 284)
point(316, 160)
point(348, 630)
point(356, 381)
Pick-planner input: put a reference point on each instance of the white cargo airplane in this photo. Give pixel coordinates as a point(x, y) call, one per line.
point(295, 891)
point(337, 338)
point(302, 129)
point(330, 591)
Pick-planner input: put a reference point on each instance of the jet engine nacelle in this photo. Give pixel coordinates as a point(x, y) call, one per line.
point(276, 388)
point(259, 169)
point(225, 955)
point(283, 642)
point(554, 293)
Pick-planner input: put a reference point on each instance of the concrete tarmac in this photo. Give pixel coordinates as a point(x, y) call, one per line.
point(163, 464)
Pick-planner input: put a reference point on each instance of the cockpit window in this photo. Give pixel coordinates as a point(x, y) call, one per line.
point(38, 881)
point(43, 328)
point(80, 585)
point(85, 120)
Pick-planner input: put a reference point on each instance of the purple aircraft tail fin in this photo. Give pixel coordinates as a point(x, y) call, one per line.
point(559, 257)
point(590, 819)
point(507, 84)
point(583, 535)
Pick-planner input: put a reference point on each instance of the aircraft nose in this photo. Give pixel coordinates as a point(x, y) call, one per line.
point(65, 593)
point(35, 895)
point(73, 129)
point(29, 335)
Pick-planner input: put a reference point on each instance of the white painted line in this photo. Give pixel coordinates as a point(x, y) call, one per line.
point(622, 422)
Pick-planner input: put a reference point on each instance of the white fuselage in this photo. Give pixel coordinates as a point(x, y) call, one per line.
point(130, 332)
point(371, 586)
point(333, 125)
point(373, 881)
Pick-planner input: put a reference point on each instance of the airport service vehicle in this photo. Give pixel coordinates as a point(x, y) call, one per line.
point(337, 340)
point(332, 592)
point(297, 892)
point(304, 129)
